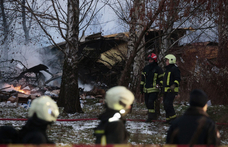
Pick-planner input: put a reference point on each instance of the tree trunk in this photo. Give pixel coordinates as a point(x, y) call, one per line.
point(71, 92)
point(139, 59)
point(134, 56)
point(5, 31)
point(223, 35)
point(61, 98)
point(126, 73)
point(26, 31)
point(69, 86)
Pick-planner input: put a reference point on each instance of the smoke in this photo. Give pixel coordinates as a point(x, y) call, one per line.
point(31, 55)
point(86, 87)
point(28, 55)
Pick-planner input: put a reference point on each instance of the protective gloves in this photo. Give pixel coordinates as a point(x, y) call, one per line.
point(172, 87)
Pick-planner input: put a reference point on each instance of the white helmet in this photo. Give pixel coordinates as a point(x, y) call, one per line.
point(172, 58)
point(119, 98)
point(45, 109)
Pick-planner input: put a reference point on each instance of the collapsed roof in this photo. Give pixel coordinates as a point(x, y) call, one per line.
point(102, 58)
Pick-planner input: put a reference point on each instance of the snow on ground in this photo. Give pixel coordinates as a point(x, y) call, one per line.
point(81, 132)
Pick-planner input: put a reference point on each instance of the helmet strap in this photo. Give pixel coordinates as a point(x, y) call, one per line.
point(121, 103)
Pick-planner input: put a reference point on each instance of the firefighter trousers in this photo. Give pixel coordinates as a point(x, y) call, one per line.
point(168, 105)
point(150, 99)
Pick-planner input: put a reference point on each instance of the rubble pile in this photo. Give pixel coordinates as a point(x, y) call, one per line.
point(23, 96)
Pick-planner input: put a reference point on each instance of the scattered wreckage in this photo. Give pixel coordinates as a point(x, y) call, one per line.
point(23, 96)
point(21, 84)
point(14, 72)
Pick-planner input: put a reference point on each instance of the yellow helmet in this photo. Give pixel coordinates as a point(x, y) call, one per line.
point(45, 109)
point(172, 58)
point(119, 97)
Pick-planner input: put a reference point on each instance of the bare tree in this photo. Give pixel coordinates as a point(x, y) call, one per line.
point(26, 20)
point(15, 26)
point(5, 26)
point(142, 16)
point(69, 85)
point(223, 32)
point(167, 16)
point(136, 28)
point(68, 24)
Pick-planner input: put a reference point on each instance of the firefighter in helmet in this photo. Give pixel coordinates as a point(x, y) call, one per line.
point(151, 79)
point(42, 113)
point(171, 82)
point(111, 129)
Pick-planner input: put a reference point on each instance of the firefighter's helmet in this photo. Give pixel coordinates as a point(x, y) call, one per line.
point(172, 58)
point(45, 109)
point(119, 97)
point(152, 56)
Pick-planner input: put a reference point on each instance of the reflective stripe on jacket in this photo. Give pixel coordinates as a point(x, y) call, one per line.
point(171, 76)
point(151, 76)
point(111, 130)
point(100, 136)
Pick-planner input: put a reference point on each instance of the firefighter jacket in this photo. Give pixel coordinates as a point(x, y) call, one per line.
point(8, 135)
point(34, 132)
point(151, 76)
point(111, 130)
point(171, 77)
point(194, 127)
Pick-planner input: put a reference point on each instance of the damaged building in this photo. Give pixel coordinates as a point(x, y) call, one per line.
point(102, 58)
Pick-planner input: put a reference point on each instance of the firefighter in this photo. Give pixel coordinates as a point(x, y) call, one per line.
point(171, 82)
point(111, 129)
point(8, 135)
point(151, 79)
point(42, 113)
point(195, 126)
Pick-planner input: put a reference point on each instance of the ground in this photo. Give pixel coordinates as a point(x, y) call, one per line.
point(81, 132)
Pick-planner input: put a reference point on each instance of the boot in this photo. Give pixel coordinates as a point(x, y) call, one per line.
point(151, 116)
